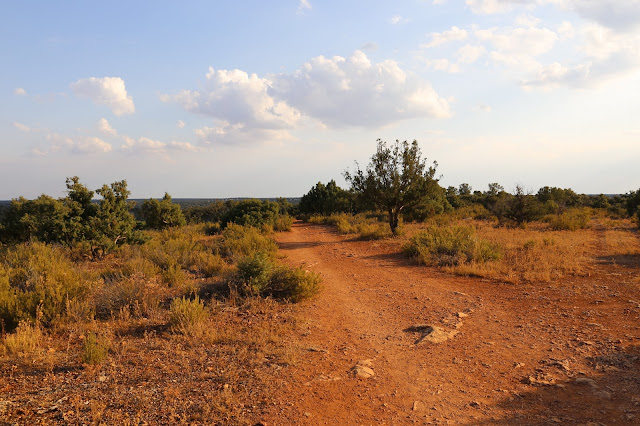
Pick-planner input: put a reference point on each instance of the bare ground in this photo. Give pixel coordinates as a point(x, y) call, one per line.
point(566, 352)
point(560, 353)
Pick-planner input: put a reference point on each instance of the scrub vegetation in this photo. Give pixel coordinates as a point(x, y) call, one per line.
point(138, 294)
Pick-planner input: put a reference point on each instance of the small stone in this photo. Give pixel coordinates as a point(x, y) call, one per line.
point(416, 405)
point(585, 381)
point(363, 372)
point(102, 378)
point(462, 315)
point(602, 394)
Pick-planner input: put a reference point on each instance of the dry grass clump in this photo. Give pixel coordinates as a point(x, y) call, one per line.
point(571, 220)
point(95, 349)
point(366, 228)
point(620, 242)
point(26, 339)
point(189, 317)
point(450, 245)
point(129, 296)
point(533, 254)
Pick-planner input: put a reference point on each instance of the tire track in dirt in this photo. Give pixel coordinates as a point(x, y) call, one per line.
point(371, 296)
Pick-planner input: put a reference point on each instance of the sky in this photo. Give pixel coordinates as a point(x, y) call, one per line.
point(213, 99)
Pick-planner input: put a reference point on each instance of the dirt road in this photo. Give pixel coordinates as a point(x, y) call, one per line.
point(560, 353)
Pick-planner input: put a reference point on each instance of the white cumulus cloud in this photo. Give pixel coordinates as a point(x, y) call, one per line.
point(355, 92)
point(180, 124)
point(334, 91)
point(235, 97)
point(108, 91)
point(105, 128)
point(20, 91)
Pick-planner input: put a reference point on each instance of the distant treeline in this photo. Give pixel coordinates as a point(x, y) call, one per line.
point(99, 225)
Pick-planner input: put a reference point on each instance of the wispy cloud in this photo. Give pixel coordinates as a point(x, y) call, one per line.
point(303, 6)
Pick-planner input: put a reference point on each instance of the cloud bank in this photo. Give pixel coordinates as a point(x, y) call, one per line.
point(332, 92)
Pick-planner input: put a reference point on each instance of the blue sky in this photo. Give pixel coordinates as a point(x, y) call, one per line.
point(253, 98)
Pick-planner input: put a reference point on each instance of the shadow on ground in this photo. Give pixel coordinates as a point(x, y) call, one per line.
point(611, 394)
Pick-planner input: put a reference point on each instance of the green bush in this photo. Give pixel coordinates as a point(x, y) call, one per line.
point(450, 245)
point(162, 214)
point(571, 220)
point(239, 242)
point(36, 281)
point(254, 213)
point(283, 223)
point(188, 317)
point(259, 276)
point(294, 284)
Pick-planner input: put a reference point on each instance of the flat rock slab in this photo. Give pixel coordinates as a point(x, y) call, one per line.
point(431, 333)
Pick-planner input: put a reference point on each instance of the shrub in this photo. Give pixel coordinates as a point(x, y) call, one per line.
point(294, 284)
point(95, 349)
point(251, 213)
point(188, 317)
point(135, 295)
point(367, 228)
point(26, 339)
point(571, 220)
point(207, 263)
point(175, 251)
point(240, 241)
point(254, 273)
point(36, 281)
point(162, 214)
point(450, 245)
point(258, 275)
point(283, 223)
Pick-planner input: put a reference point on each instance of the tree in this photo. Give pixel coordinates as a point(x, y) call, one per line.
point(162, 214)
point(113, 224)
point(396, 178)
point(325, 199)
point(522, 207)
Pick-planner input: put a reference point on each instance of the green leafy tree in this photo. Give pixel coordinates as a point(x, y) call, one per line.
point(397, 178)
point(113, 224)
point(162, 214)
point(326, 199)
point(80, 210)
point(41, 219)
point(521, 207)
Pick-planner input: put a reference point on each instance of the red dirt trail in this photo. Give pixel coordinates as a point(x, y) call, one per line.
point(554, 353)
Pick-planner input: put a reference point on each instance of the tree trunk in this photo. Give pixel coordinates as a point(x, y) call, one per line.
point(393, 220)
